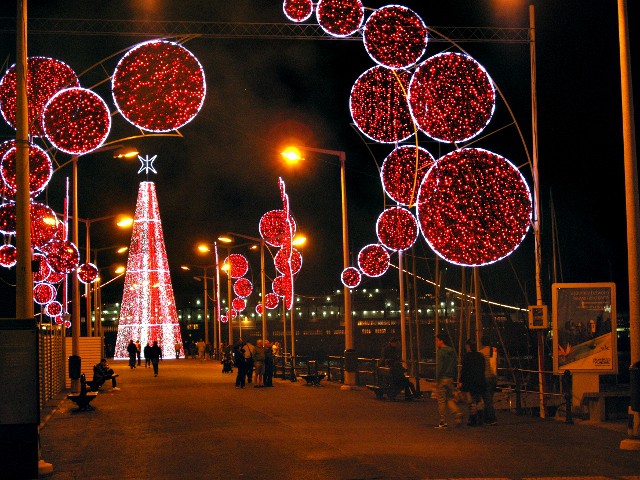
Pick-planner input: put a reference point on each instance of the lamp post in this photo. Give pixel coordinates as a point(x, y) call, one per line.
point(293, 154)
point(205, 294)
point(97, 299)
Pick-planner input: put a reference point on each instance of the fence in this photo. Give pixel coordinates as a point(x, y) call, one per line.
point(51, 356)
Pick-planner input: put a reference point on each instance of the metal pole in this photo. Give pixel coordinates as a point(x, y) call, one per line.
point(87, 287)
point(632, 208)
point(229, 319)
point(75, 285)
point(403, 326)
point(206, 308)
point(217, 261)
point(262, 292)
point(478, 307)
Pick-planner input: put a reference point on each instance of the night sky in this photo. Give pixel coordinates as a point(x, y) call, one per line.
point(221, 175)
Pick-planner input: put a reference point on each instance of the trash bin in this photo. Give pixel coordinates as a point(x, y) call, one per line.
point(74, 367)
point(350, 360)
point(634, 386)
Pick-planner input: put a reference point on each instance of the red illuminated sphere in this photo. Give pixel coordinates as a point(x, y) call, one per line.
point(340, 18)
point(59, 320)
point(62, 255)
point(282, 285)
point(158, 86)
point(259, 309)
point(43, 222)
point(271, 301)
point(224, 319)
point(53, 309)
point(452, 98)
point(239, 265)
point(351, 277)
point(402, 173)
point(43, 293)
point(395, 36)
point(274, 228)
point(8, 255)
point(45, 78)
point(397, 228)
point(239, 304)
point(379, 107)
point(5, 146)
point(297, 10)
point(76, 121)
point(373, 260)
point(40, 170)
point(42, 270)
point(281, 258)
point(87, 273)
point(242, 287)
point(474, 207)
point(55, 277)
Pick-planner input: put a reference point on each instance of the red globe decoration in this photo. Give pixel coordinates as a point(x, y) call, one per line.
point(373, 260)
point(379, 107)
point(242, 287)
point(452, 98)
point(351, 277)
point(397, 229)
point(59, 320)
point(232, 314)
point(282, 285)
point(62, 255)
point(238, 264)
point(158, 86)
point(340, 18)
point(55, 277)
point(474, 207)
point(8, 255)
point(44, 224)
point(87, 273)
point(76, 121)
point(297, 10)
point(53, 309)
point(5, 192)
point(224, 319)
point(45, 77)
point(40, 170)
point(281, 261)
point(8, 218)
point(43, 293)
point(239, 304)
point(402, 173)
point(67, 323)
point(395, 36)
point(42, 272)
point(274, 228)
point(271, 301)
point(259, 309)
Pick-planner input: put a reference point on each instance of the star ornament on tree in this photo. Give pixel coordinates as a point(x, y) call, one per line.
point(146, 164)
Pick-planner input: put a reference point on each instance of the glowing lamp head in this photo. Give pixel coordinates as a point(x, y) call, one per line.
point(122, 249)
point(124, 221)
point(299, 241)
point(202, 248)
point(225, 239)
point(119, 270)
point(126, 152)
point(292, 154)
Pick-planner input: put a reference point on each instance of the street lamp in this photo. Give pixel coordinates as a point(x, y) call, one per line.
point(293, 155)
point(97, 298)
point(205, 294)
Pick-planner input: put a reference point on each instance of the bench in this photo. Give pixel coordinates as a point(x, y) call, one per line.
point(83, 400)
point(385, 386)
point(595, 402)
point(313, 379)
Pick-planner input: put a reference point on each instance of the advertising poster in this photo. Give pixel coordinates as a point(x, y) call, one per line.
point(584, 328)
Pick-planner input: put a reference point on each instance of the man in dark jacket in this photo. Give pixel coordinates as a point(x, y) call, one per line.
point(473, 381)
point(155, 354)
point(102, 373)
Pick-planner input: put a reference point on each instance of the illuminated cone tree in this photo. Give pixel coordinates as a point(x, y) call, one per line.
point(148, 310)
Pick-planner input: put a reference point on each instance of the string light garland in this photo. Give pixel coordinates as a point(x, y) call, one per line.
point(402, 173)
point(281, 259)
point(297, 10)
point(351, 277)
point(8, 255)
point(87, 273)
point(395, 36)
point(45, 77)
point(158, 86)
point(40, 170)
point(474, 207)
point(239, 265)
point(76, 121)
point(397, 229)
point(451, 97)
point(379, 107)
point(62, 256)
point(148, 312)
point(373, 260)
point(43, 270)
point(274, 228)
point(340, 18)
point(43, 293)
point(243, 287)
point(239, 304)
point(271, 301)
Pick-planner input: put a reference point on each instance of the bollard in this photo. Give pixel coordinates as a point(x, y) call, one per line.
point(567, 388)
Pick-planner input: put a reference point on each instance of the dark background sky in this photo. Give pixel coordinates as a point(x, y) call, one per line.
point(222, 174)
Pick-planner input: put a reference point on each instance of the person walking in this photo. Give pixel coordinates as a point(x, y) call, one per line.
point(138, 352)
point(133, 352)
point(146, 350)
point(491, 378)
point(249, 348)
point(155, 354)
point(258, 364)
point(472, 381)
point(177, 347)
point(445, 375)
point(239, 362)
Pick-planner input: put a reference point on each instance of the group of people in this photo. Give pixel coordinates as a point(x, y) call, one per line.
point(254, 363)
point(477, 383)
point(152, 355)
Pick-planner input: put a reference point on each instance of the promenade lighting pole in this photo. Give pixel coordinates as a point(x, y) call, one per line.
point(97, 287)
point(205, 295)
point(293, 154)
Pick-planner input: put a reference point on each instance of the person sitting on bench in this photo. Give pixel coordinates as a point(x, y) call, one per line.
point(392, 357)
point(102, 373)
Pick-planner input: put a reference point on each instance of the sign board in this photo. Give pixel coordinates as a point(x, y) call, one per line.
point(584, 328)
point(538, 317)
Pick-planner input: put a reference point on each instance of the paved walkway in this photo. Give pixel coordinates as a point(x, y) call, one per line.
point(191, 423)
